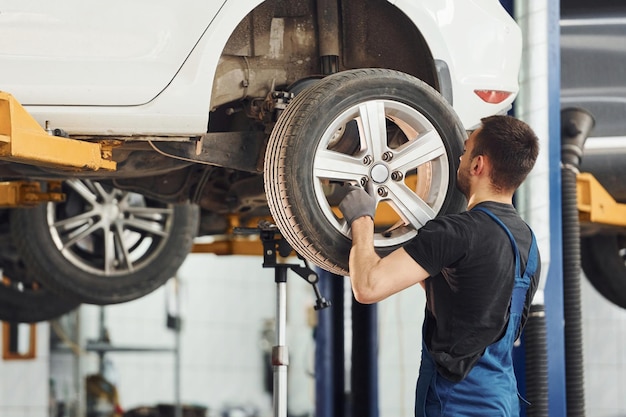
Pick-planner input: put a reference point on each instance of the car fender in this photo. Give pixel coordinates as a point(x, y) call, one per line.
point(112, 53)
point(445, 27)
point(180, 109)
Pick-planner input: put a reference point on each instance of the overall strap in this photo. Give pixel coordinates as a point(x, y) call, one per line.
point(522, 282)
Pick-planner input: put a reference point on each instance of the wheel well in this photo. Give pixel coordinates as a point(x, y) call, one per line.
point(378, 34)
point(280, 42)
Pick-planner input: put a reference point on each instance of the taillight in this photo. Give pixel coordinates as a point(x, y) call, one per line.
point(493, 96)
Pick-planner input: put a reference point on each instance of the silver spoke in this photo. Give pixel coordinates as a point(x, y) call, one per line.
point(85, 192)
point(148, 211)
point(124, 255)
point(373, 127)
point(338, 166)
point(102, 192)
point(411, 208)
point(152, 227)
point(82, 235)
point(425, 148)
point(74, 222)
point(109, 251)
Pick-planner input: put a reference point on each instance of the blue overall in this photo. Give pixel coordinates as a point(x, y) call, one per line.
point(490, 388)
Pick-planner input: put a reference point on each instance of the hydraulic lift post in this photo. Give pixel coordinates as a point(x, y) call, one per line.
point(273, 245)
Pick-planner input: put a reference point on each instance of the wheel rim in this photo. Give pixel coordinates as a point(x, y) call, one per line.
point(397, 153)
point(106, 231)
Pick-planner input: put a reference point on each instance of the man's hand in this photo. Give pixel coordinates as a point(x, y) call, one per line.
point(357, 203)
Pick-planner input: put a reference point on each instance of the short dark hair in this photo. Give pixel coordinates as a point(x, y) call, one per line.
point(511, 146)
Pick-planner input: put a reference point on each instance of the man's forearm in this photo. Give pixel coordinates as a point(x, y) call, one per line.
point(363, 259)
point(374, 278)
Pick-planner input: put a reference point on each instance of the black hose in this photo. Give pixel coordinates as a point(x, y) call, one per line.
point(535, 337)
point(575, 127)
point(571, 298)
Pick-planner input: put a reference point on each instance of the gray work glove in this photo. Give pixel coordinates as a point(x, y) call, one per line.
point(357, 203)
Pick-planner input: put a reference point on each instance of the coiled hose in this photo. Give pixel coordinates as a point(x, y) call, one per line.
point(575, 127)
point(535, 337)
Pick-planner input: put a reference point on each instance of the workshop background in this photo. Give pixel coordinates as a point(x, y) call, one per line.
point(228, 301)
point(227, 306)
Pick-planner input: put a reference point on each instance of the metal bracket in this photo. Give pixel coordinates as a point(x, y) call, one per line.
point(28, 193)
point(274, 245)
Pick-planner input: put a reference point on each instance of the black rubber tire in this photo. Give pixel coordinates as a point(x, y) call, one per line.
point(22, 298)
point(603, 259)
point(77, 280)
point(28, 305)
point(293, 190)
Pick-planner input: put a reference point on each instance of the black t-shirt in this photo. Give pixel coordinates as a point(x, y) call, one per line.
point(471, 264)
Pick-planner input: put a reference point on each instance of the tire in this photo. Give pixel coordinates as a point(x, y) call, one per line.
point(23, 299)
point(603, 259)
point(103, 245)
point(327, 137)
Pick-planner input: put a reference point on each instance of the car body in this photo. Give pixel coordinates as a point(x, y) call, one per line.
point(157, 69)
point(189, 93)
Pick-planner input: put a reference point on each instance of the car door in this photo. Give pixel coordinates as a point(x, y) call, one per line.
point(96, 52)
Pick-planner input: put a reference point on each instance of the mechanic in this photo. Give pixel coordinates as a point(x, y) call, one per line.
point(480, 270)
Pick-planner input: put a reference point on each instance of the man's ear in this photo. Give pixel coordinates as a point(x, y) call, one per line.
point(478, 164)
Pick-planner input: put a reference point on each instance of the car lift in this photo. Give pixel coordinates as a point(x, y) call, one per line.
point(273, 245)
point(23, 140)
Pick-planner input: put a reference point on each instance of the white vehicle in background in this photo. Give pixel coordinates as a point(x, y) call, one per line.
point(246, 108)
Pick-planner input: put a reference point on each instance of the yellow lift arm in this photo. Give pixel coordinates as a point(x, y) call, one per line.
point(595, 204)
point(23, 140)
point(28, 193)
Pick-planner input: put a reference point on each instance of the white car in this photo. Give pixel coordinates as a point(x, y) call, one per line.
point(247, 108)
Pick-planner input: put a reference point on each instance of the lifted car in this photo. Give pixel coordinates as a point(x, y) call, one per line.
point(247, 108)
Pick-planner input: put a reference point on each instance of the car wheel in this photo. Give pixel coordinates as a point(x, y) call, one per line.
point(371, 126)
point(23, 299)
point(104, 245)
point(604, 263)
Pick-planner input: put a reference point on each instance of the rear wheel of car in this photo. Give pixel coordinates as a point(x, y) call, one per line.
point(104, 245)
point(604, 263)
point(375, 127)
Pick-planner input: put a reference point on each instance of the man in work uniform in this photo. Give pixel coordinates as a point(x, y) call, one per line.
point(480, 270)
